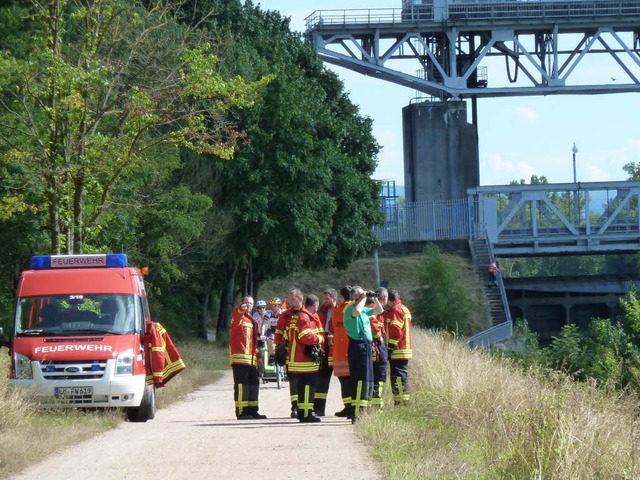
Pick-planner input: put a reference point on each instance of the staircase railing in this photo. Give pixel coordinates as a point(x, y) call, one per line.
point(499, 332)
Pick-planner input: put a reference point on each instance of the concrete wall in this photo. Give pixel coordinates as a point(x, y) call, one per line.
point(440, 151)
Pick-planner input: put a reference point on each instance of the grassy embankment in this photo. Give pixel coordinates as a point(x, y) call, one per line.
point(476, 417)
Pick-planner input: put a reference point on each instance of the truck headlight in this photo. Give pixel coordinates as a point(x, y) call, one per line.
point(124, 363)
point(24, 371)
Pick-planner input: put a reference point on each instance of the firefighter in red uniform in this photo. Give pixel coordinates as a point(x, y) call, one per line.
point(325, 315)
point(303, 334)
point(243, 357)
point(399, 345)
point(379, 356)
point(281, 339)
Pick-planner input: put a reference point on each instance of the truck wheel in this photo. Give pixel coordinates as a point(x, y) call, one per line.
point(147, 409)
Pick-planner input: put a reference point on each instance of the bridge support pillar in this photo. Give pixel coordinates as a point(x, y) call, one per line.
point(440, 151)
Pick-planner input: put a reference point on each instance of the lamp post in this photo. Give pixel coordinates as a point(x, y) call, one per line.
point(574, 150)
point(576, 206)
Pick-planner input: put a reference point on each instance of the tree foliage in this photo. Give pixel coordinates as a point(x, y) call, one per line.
point(441, 301)
point(299, 193)
point(91, 98)
point(118, 121)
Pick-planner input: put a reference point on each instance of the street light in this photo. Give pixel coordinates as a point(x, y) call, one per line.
point(576, 207)
point(574, 150)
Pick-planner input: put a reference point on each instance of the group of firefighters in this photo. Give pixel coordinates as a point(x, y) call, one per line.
point(354, 334)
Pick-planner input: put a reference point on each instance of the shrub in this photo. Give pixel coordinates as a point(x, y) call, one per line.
point(441, 301)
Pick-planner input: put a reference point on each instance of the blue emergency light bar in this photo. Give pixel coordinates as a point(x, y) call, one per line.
point(46, 262)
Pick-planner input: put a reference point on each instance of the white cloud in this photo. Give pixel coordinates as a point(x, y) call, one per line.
point(496, 169)
point(528, 115)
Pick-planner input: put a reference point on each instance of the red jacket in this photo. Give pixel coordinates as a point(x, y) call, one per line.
point(378, 331)
point(302, 332)
point(282, 328)
point(399, 340)
point(165, 362)
point(243, 339)
point(326, 329)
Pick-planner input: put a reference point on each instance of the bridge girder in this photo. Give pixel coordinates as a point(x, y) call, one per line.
point(451, 55)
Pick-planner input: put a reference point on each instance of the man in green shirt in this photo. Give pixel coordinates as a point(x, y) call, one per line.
point(358, 328)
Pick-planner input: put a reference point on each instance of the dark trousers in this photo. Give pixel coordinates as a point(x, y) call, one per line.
point(293, 388)
point(399, 374)
point(306, 384)
point(323, 381)
point(246, 388)
point(379, 375)
point(345, 390)
point(361, 374)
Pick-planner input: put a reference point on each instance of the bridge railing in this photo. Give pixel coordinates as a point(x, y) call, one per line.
point(424, 221)
point(470, 10)
point(526, 219)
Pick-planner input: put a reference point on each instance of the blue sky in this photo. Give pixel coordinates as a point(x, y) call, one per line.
point(519, 136)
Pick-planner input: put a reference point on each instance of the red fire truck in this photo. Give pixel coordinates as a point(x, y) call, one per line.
point(78, 337)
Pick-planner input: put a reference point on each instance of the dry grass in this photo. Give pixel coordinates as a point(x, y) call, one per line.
point(28, 435)
point(473, 416)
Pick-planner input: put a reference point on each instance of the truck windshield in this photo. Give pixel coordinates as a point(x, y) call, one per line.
point(77, 314)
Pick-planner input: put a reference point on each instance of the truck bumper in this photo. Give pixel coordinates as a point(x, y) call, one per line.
point(104, 392)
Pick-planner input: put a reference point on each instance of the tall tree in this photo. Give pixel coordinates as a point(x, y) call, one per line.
point(92, 97)
point(300, 192)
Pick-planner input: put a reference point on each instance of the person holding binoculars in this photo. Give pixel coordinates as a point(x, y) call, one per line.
point(358, 328)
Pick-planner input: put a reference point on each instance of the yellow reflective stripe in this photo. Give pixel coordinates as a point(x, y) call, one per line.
point(403, 354)
point(401, 396)
point(177, 365)
point(305, 331)
point(360, 402)
point(305, 404)
point(302, 367)
point(241, 404)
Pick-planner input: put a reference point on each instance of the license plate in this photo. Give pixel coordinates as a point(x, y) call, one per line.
point(73, 391)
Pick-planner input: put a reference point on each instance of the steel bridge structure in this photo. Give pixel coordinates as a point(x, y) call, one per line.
point(527, 220)
point(445, 48)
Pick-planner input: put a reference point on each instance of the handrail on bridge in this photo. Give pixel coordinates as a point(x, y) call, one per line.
point(474, 10)
point(566, 218)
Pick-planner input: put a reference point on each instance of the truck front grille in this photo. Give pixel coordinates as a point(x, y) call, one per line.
point(84, 370)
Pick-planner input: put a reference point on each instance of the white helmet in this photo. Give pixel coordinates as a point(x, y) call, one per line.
point(261, 303)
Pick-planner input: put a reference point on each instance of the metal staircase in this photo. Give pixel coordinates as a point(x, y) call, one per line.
point(495, 296)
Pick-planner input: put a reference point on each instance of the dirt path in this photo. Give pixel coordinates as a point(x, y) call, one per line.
point(201, 439)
